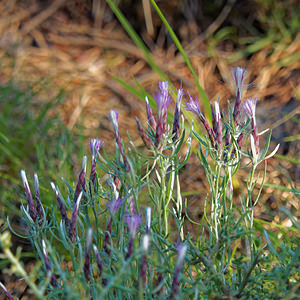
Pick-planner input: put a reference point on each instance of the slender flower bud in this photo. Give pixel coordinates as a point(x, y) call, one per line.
point(181, 251)
point(72, 229)
point(95, 145)
point(148, 220)
point(150, 116)
point(39, 208)
point(249, 107)
point(81, 179)
point(6, 292)
point(87, 263)
point(218, 124)
point(194, 106)
point(239, 77)
point(98, 260)
point(143, 263)
point(107, 237)
point(114, 118)
point(143, 134)
point(61, 206)
point(31, 205)
point(177, 115)
point(162, 99)
point(53, 280)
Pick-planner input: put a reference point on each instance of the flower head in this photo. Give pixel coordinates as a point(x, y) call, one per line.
point(114, 118)
point(239, 75)
point(249, 107)
point(31, 205)
point(95, 146)
point(151, 119)
point(193, 105)
point(114, 205)
point(133, 222)
point(162, 99)
point(177, 114)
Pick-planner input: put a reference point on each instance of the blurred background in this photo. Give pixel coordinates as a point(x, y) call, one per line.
point(62, 64)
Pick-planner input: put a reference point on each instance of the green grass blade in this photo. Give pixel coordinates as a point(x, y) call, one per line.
point(137, 40)
point(186, 59)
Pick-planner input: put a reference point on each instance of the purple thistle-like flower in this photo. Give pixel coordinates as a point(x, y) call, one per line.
point(239, 77)
point(53, 280)
point(133, 222)
point(181, 251)
point(39, 208)
point(249, 107)
point(194, 107)
point(162, 99)
point(6, 292)
point(87, 256)
point(114, 205)
point(72, 228)
point(31, 205)
point(81, 179)
point(151, 119)
point(177, 114)
point(95, 145)
point(98, 260)
point(143, 134)
point(61, 206)
point(114, 118)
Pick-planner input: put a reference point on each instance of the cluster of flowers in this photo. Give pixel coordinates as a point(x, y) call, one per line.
point(153, 138)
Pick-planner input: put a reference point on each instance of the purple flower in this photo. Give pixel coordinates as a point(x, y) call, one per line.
point(39, 207)
point(239, 77)
point(193, 106)
point(177, 115)
point(53, 280)
point(181, 251)
point(133, 222)
point(162, 99)
point(143, 134)
point(72, 228)
point(87, 263)
point(218, 124)
point(151, 119)
point(81, 180)
point(114, 205)
point(114, 118)
point(61, 206)
point(249, 107)
point(31, 205)
point(98, 260)
point(95, 145)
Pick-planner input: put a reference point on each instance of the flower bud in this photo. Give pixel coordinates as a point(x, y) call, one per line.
point(32, 209)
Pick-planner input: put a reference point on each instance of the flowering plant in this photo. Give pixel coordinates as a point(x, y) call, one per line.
point(122, 232)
